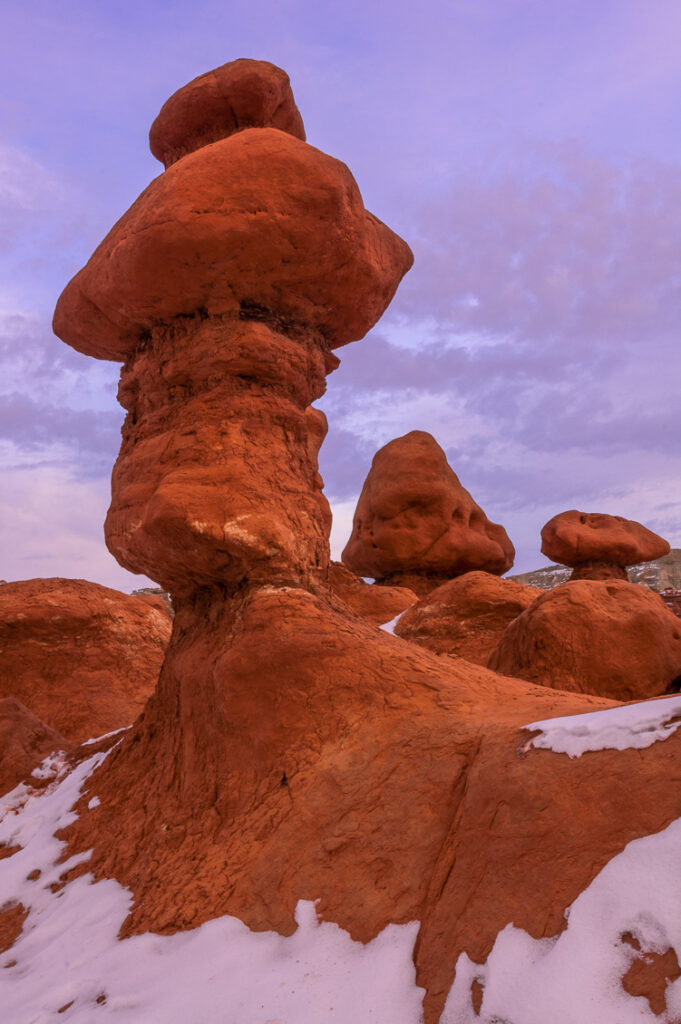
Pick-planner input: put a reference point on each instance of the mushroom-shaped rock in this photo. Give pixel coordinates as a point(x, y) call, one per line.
point(24, 742)
point(257, 226)
point(608, 638)
point(82, 657)
point(466, 616)
point(375, 604)
point(598, 546)
point(241, 94)
point(416, 526)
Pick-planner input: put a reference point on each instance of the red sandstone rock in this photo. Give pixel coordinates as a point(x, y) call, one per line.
point(416, 526)
point(82, 657)
point(291, 750)
point(599, 546)
point(258, 225)
point(466, 616)
point(375, 604)
point(24, 742)
point(242, 94)
point(614, 639)
point(531, 833)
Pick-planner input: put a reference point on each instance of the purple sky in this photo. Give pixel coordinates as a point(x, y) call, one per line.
point(528, 150)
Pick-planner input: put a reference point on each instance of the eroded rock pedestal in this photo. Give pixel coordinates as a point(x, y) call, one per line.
point(292, 751)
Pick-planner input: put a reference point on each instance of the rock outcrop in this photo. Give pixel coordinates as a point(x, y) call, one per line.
point(466, 616)
point(242, 94)
point(375, 604)
point(81, 657)
point(598, 546)
point(24, 742)
point(611, 638)
point(290, 750)
point(416, 526)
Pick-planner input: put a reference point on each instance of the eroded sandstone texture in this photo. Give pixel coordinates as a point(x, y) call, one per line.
point(415, 525)
point(24, 742)
point(611, 638)
point(466, 616)
point(82, 657)
point(292, 751)
point(598, 546)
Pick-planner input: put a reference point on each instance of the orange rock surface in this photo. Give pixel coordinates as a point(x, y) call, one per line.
point(416, 526)
point(611, 638)
point(83, 658)
point(375, 604)
point(24, 742)
point(259, 227)
point(466, 616)
point(599, 546)
point(242, 94)
point(290, 750)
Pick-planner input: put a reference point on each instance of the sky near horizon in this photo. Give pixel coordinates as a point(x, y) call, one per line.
point(529, 151)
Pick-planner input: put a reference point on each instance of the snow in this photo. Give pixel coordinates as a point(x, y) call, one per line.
point(389, 627)
point(631, 725)
point(575, 978)
point(220, 973)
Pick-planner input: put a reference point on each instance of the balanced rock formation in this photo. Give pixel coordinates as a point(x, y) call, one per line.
point(242, 94)
point(466, 616)
point(611, 638)
point(81, 657)
point(375, 604)
point(415, 525)
point(598, 546)
point(290, 750)
point(24, 742)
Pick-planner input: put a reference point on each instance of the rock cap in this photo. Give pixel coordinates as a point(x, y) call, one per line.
point(415, 518)
point(574, 538)
point(241, 94)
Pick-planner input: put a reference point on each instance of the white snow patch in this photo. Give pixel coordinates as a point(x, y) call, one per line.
point(575, 978)
point(220, 973)
point(633, 725)
point(389, 627)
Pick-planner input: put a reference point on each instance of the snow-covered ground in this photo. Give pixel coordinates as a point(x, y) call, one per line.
point(575, 978)
point(632, 725)
point(220, 973)
point(71, 968)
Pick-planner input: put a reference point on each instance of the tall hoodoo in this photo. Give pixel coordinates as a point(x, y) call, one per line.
point(224, 289)
point(287, 739)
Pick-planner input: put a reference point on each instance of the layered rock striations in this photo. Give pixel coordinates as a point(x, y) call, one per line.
point(416, 526)
point(598, 546)
point(292, 751)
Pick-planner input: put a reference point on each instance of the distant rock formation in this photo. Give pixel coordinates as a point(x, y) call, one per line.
point(610, 638)
point(598, 546)
point(416, 526)
point(466, 616)
point(660, 574)
point(81, 657)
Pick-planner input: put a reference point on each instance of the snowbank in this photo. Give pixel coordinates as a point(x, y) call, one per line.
point(632, 725)
point(575, 978)
point(221, 973)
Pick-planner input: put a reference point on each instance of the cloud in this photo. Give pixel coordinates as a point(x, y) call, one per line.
point(51, 525)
